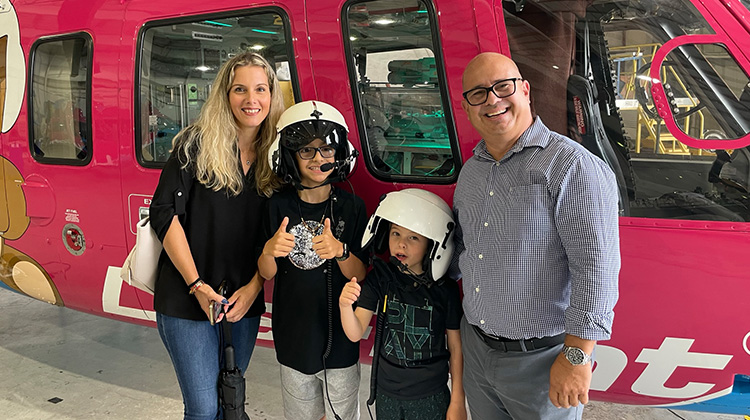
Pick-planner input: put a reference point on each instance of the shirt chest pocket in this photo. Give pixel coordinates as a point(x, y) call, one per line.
point(528, 214)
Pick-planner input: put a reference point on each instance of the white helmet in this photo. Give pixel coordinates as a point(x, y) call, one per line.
point(422, 212)
point(299, 125)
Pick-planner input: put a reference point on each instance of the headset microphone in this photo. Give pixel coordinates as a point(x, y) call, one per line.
point(339, 163)
point(421, 278)
point(332, 165)
point(401, 266)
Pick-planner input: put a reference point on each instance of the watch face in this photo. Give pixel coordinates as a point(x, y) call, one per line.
point(575, 356)
point(345, 254)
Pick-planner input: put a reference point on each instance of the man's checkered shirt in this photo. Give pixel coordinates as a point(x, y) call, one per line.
point(538, 240)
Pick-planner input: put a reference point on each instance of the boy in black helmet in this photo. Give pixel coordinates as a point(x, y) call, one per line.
point(416, 305)
point(312, 248)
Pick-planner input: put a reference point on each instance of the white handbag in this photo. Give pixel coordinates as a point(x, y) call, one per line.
point(139, 269)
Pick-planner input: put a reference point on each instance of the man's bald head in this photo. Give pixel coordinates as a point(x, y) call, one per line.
point(488, 60)
point(502, 117)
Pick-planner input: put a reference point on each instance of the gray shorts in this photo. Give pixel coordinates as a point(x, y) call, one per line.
point(304, 399)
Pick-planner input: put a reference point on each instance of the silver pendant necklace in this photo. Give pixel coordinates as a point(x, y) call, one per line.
point(247, 161)
point(317, 230)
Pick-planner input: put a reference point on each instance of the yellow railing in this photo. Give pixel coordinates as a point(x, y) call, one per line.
point(648, 129)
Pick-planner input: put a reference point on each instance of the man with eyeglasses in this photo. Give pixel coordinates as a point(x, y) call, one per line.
point(538, 249)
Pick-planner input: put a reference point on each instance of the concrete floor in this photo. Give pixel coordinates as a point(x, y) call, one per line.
point(56, 363)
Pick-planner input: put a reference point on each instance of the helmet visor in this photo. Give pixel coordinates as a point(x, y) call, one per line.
point(298, 135)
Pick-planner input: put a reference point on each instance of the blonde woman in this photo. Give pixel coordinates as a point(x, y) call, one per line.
point(206, 210)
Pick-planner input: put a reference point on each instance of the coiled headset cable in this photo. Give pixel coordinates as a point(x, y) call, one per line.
point(329, 292)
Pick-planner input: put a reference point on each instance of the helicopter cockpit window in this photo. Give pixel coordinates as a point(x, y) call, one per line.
point(600, 57)
point(407, 131)
point(60, 100)
point(711, 101)
point(179, 59)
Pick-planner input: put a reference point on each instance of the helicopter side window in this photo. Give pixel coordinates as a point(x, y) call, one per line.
point(178, 61)
point(60, 100)
point(406, 128)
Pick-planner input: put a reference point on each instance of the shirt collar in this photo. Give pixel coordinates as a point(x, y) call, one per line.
point(537, 135)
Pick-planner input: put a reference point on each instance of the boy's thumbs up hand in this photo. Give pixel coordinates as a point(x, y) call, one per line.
point(282, 227)
point(350, 293)
point(326, 245)
point(282, 242)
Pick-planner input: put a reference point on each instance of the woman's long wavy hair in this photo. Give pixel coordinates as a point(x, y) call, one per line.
point(210, 144)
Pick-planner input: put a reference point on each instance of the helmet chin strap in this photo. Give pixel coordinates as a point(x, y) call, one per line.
point(301, 187)
point(289, 179)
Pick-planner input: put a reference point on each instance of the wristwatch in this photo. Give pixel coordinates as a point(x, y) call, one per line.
point(345, 254)
point(576, 356)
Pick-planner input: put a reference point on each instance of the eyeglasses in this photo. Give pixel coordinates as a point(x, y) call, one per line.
point(501, 89)
point(308, 153)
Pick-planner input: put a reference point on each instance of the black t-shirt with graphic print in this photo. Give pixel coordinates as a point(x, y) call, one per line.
point(413, 356)
point(300, 296)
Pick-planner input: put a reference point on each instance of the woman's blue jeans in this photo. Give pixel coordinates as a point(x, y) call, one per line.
point(193, 347)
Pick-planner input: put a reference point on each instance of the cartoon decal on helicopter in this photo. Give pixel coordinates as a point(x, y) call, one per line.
point(18, 271)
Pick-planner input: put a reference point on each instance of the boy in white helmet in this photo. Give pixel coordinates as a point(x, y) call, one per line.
point(416, 303)
point(312, 233)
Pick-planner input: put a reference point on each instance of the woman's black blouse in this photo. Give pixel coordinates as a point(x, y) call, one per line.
point(223, 233)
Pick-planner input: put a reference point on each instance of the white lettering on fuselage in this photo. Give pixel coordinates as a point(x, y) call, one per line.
point(265, 321)
point(610, 362)
point(111, 298)
point(661, 364)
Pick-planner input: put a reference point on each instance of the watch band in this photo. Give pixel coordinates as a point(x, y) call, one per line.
point(344, 255)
